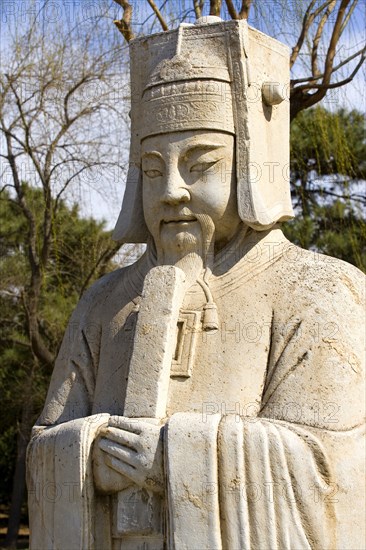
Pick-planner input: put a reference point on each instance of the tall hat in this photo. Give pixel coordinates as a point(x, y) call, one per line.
point(222, 76)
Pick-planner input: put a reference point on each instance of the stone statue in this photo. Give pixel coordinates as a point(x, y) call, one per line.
point(211, 394)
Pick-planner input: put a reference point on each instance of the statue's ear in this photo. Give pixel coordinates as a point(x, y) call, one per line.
point(130, 226)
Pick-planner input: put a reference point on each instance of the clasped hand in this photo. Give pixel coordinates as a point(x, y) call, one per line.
point(128, 451)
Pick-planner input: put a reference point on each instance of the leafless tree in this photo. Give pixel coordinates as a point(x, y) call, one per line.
point(55, 123)
point(61, 125)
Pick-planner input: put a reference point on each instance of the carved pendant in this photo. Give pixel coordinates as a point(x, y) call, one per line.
point(188, 328)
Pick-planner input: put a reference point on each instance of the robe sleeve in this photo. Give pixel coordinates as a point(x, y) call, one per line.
point(64, 511)
point(71, 391)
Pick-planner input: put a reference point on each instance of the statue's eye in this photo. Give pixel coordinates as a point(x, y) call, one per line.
point(201, 167)
point(153, 173)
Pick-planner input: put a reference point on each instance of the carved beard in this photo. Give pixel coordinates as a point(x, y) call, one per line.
point(191, 247)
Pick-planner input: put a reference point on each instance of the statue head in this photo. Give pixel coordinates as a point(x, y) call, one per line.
point(209, 119)
point(189, 189)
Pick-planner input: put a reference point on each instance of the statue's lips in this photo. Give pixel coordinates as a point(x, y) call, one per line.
point(179, 220)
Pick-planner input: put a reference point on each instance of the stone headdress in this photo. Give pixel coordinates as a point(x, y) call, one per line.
point(221, 76)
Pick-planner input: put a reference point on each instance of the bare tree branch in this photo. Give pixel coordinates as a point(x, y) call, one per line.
point(5, 187)
point(336, 84)
point(307, 22)
point(318, 35)
point(65, 186)
point(348, 16)
point(345, 197)
point(300, 97)
point(124, 24)
point(161, 19)
point(103, 259)
point(317, 96)
point(215, 7)
point(26, 127)
point(70, 92)
point(231, 9)
point(15, 341)
point(336, 68)
point(245, 7)
point(198, 7)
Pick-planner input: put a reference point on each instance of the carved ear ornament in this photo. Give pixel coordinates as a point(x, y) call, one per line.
point(272, 93)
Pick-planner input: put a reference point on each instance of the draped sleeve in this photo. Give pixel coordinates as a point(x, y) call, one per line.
point(64, 509)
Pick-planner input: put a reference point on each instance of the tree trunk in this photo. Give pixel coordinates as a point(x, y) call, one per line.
point(19, 474)
point(305, 207)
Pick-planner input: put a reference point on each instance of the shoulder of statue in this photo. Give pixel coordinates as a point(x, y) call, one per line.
point(311, 265)
point(113, 288)
point(309, 281)
point(104, 285)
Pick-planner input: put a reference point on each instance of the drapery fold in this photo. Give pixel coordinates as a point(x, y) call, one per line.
point(64, 511)
point(247, 484)
point(278, 471)
point(191, 469)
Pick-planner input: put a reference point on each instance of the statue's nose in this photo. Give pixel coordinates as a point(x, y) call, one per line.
point(176, 190)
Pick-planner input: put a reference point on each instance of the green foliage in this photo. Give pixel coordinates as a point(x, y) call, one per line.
point(7, 454)
point(78, 245)
point(333, 142)
point(328, 164)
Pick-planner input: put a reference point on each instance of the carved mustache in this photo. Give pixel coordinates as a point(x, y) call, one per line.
point(184, 215)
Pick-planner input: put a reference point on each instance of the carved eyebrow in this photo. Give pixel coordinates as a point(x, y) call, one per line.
point(152, 154)
point(189, 150)
point(202, 147)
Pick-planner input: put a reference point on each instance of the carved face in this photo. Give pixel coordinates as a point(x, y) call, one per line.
point(187, 174)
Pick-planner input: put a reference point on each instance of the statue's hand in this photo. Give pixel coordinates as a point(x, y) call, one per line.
point(106, 479)
point(134, 448)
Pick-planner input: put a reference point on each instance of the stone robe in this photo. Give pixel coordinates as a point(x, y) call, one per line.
point(263, 436)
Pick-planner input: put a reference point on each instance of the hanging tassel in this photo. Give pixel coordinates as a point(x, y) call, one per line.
point(210, 317)
point(210, 314)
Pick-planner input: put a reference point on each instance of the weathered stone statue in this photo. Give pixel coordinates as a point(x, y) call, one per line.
point(210, 395)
